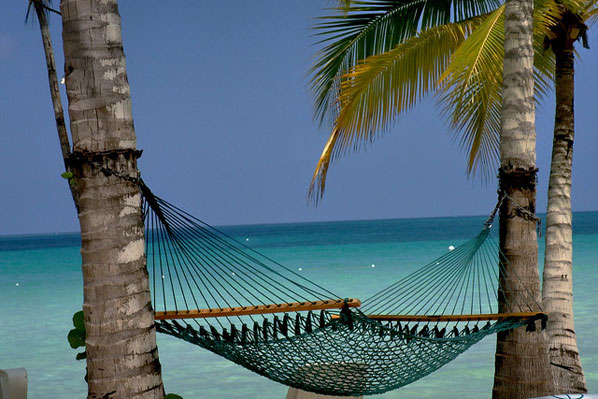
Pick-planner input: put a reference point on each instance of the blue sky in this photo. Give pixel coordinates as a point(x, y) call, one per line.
point(223, 113)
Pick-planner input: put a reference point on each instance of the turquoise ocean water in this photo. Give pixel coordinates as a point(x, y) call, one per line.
point(41, 288)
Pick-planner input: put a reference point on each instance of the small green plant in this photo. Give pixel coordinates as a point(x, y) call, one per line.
point(76, 336)
point(67, 175)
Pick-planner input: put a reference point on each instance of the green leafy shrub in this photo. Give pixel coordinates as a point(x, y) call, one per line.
point(76, 336)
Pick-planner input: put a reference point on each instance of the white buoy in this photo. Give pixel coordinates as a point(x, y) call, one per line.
point(234, 274)
point(247, 239)
point(62, 80)
point(451, 247)
point(163, 276)
point(373, 265)
point(17, 284)
point(300, 269)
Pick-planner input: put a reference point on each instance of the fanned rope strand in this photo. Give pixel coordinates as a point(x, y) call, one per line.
point(217, 248)
point(460, 278)
point(232, 245)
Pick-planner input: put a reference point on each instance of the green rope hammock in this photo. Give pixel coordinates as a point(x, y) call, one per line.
point(217, 293)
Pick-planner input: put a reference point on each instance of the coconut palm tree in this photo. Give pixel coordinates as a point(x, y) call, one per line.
point(559, 34)
point(519, 354)
point(121, 348)
point(557, 289)
point(470, 93)
point(122, 357)
point(359, 114)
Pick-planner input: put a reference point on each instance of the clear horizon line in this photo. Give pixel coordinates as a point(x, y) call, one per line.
point(4, 235)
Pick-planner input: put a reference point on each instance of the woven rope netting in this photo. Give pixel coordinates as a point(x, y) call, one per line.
point(200, 277)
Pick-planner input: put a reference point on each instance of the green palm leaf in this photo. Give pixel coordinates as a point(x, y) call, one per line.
point(471, 89)
point(379, 88)
point(470, 92)
point(360, 29)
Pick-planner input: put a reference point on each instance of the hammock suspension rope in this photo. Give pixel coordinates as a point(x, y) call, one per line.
point(215, 292)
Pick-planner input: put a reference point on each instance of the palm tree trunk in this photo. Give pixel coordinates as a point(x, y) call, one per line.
point(122, 358)
point(522, 367)
point(557, 291)
point(53, 80)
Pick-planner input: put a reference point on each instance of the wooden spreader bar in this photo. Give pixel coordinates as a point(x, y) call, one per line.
point(456, 318)
point(258, 309)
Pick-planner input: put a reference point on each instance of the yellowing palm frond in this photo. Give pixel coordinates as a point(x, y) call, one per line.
point(381, 87)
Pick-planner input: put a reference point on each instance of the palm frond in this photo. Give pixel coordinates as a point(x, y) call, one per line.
point(365, 28)
point(576, 6)
point(470, 91)
point(590, 13)
point(471, 87)
point(318, 180)
point(381, 87)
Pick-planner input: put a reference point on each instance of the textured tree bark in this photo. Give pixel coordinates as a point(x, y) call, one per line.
point(122, 358)
point(522, 368)
point(557, 290)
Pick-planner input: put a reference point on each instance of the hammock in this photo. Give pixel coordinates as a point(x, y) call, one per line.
point(213, 291)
